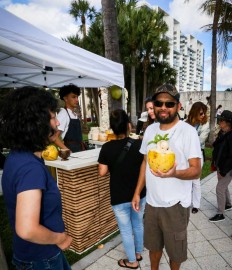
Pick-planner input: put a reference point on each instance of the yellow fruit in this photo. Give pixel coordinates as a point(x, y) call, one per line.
point(100, 246)
point(161, 161)
point(50, 153)
point(116, 92)
point(111, 137)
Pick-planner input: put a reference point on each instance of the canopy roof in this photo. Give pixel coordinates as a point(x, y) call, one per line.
point(29, 56)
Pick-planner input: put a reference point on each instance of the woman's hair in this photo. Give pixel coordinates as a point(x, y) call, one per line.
point(194, 113)
point(149, 119)
point(219, 107)
point(25, 119)
point(119, 122)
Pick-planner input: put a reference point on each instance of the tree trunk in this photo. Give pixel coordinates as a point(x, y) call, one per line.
point(95, 105)
point(214, 70)
point(133, 97)
point(146, 62)
point(110, 30)
point(83, 25)
point(144, 90)
point(85, 127)
point(111, 40)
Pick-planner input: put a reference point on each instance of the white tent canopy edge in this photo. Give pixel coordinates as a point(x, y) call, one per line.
point(29, 56)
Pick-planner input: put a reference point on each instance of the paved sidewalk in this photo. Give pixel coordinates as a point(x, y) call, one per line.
point(209, 244)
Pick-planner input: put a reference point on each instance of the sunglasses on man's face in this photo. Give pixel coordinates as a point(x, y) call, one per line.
point(168, 104)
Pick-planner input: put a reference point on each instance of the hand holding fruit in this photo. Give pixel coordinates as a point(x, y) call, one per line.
point(161, 158)
point(170, 173)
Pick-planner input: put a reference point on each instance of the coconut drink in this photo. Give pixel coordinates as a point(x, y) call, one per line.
point(50, 153)
point(161, 157)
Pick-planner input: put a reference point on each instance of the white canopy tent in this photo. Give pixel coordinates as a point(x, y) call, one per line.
point(29, 56)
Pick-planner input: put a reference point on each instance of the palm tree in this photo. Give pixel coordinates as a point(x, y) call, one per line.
point(136, 31)
point(128, 23)
point(81, 9)
point(141, 33)
point(110, 30)
point(221, 28)
point(94, 41)
point(111, 40)
point(161, 73)
point(153, 44)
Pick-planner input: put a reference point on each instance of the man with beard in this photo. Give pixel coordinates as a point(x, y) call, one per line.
point(168, 194)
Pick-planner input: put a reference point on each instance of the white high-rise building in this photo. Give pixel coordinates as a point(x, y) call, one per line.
point(186, 54)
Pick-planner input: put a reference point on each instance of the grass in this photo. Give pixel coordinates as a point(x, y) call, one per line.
point(206, 167)
point(6, 235)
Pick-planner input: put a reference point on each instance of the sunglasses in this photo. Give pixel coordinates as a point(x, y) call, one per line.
point(202, 113)
point(168, 104)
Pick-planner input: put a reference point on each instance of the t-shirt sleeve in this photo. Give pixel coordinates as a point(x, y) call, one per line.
point(102, 159)
point(63, 118)
point(192, 142)
point(31, 177)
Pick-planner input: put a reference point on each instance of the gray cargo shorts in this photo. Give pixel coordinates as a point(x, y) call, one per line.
point(167, 227)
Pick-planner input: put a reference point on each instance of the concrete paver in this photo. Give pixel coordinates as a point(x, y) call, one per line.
point(209, 244)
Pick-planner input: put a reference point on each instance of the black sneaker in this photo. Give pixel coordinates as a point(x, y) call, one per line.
point(228, 207)
point(217, 218)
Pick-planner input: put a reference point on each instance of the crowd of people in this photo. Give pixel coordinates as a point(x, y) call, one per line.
point(152, 208)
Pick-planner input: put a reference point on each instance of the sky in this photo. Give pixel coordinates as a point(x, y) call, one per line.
point(53, 17)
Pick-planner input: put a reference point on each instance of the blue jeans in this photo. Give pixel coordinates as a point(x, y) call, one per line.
point(130, 224)
point(58, 262)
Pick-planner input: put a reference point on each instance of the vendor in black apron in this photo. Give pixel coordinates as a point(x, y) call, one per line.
point(70, 126)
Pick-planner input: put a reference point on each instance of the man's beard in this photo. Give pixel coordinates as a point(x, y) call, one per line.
point(167, 120)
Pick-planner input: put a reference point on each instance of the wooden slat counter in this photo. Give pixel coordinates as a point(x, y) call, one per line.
point(87, 212)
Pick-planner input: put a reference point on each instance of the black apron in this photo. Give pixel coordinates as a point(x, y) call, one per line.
point(73, 136)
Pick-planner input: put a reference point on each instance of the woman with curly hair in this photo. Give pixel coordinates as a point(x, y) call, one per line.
point(198, 118)
point(27, 125)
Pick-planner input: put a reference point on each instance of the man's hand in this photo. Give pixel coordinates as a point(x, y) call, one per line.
point(170, 173)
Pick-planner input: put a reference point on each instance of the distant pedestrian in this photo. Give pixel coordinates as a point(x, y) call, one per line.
point(218, 113)
point(188, 106)
point(222, 162)
point(140, 127)
point(149, 115)
point(149, 104)
point(198, 118)
point(181, 113)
